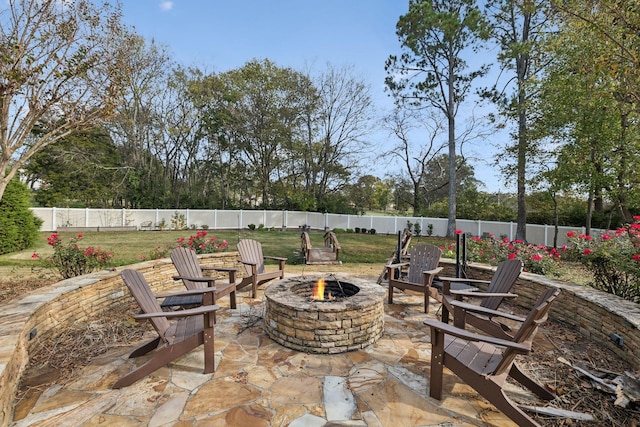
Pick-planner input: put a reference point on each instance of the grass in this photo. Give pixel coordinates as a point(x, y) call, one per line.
point(133, 246)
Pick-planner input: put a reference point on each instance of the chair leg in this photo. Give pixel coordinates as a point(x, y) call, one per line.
point(145, 348)
point(232, 299)
point(162, 357)
point(509, 408)
point(437, 361)
point(390, 296)
point(537, 388)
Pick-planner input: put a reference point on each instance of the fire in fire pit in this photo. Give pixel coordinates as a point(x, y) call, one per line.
point(328, 290)
point(349, 316)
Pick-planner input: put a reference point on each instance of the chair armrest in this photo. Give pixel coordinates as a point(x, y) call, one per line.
point(434, 271)
point(397, 265)
point(223, 269)
point(483, 294)
point(248, 262)
point(471, 336)
point(486, 311)
point(189, 292)
point(462, 279)
point(275, 258)
point(196, 279)
point(179, 313)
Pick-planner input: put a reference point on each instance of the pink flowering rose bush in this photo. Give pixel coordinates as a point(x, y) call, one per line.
point(200, 242)
point(70, 260)
point(612, 258)
point(537, 259)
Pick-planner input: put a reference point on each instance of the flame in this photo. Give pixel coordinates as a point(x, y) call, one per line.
point(318, 290)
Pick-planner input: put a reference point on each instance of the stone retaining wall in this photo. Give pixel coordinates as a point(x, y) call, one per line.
point(46, 312)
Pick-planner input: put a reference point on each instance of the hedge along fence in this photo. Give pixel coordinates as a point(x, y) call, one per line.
point(46, 312)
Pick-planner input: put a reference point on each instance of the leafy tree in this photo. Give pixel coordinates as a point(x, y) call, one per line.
point(414, 158)
point(431, 71)
point(61, 68)
point(84, 166)
point(517, 27)
point(138, 123)
point(334, 129)
point(18, 225)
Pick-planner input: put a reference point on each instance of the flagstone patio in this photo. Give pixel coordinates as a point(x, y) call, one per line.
point(258, 382)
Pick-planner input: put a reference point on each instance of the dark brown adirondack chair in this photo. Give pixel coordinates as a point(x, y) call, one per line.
point(499, 288)
point(253, 259)
point(193, 328)
point(190, 272)
point(423, 266)
point(485, 362)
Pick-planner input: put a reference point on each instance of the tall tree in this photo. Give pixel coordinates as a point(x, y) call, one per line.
point(334, 131)
point(432, 72)
point(62, 65)
point(517, 27)
point(138, 122)
point(414, 158)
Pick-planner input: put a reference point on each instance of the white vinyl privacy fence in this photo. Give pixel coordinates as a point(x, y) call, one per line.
point(57, 219)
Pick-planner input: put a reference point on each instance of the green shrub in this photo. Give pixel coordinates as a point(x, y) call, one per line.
point(372, 231)
point(338, 230)
point(357, 230)
point(252, 227)
point(71, 261)
point(18, 225)
point(612, 258)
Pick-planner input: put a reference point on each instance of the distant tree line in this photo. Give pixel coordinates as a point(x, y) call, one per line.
point(94, 115)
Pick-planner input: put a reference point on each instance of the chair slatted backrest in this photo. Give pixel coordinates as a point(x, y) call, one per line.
point(251, 251)
point(502, 281)
point(423, 258)
point(148, 303)
point(186, 263)
point(527, 331)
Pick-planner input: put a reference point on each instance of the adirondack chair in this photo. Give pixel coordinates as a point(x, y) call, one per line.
point(423, 266)
point(498, 289)
point(190, 272)
point(193, 328)
point(485, 362)
point(253, 259)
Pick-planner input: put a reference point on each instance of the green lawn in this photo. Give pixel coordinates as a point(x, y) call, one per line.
point(130, 247)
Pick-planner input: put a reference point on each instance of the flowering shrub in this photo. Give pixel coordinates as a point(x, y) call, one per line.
point(203, 244)
point(198, 242)
point(612, 258)
point(70, 260)
point(537, 259)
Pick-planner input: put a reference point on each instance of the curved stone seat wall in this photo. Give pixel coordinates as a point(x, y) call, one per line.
point(45, 313)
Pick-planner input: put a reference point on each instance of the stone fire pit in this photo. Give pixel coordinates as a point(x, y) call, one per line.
point(353, 320)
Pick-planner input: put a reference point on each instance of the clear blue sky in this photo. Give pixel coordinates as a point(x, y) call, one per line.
point(220, 35)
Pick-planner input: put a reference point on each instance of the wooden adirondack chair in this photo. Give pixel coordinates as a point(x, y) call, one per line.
point(194, 328)
point(253, 259)
point(190, 272)
point(423, 266)
point(399, 254)
point(498, 289)
point(485, 362)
